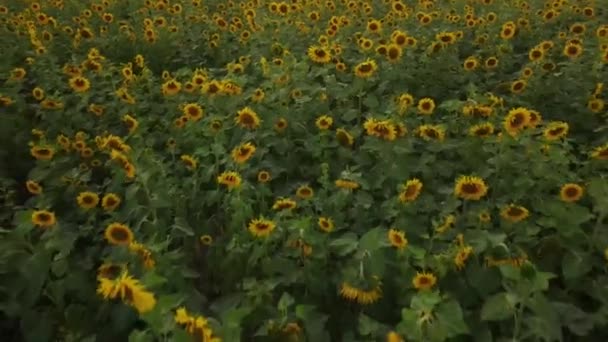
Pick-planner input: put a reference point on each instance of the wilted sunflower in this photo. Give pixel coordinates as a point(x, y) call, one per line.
point(193, 111)
point(80, 84)
point(514, 213)
point(431, 132)
point(324, 122)
point(247, 118)
point(319, 54)
point(571, 192)
point(304, 192)
point(243, 152)
point(556, 130)
point(189, 161)
point(263, 176)
point(516, 120)
point(424, 281)
point(43, 218)
point(230, 179)
point(470, 188)
point(360, 295)
point(426, 106)
point(261, 227)
point(42, 153)
point(33, 187)
point(344, 138)
point(366, 68)
point(284, 204)
point(118, 234)
point(110, 202)
point(482, 130)
point(410, 190)
point(87, 200)
point(397, 239)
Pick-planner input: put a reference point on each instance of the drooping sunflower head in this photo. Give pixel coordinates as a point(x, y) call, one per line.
point(344, 138)
point(410, 190)
point(424, 281)
point(514, 213)
point(118, 234)
point(42, 152)
point(571, 192)
point(397, 238)
point(470, 188)
point(87, 200)
point(600, 152)
point(347, 184)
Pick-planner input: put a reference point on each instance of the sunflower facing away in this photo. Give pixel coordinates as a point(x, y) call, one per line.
point(470, 188)
point(514, 213)
point(571, 192)
point(424, 281)
point(261, 227)
point(363, 296)
point(410, 190)
point(118, 234)
point(87, 200)
point(397, 239)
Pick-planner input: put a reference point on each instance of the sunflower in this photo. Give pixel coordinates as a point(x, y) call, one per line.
point(595, 105)
point(535, 119)
point(471, 63)
point(110, 201)
point(284, 204)
point(392, 336)
point(600, 152)
point(536, 54)
point(344, 138)
point(482, 130)
point(118, 234)
point(556, 130)
point(347, 184)
point(319, 54)
point(424, 280)
point(80, 84)
point(508, 30)
point(304, 192)
point(212, 88)
point(171, 87)
point(326, 224)
point(206, 240)
point(230, 179)
point(462, 256)
point(571, 192)
point(514, 213)
point(484, 216)
point(42, 153)
point(193, 111)
point(280, 125)
point(361, 296)
point(87, 200)
point(264, 176)
point(431, 132)
point(366, 68)
point(573, 50)
point(33, 187)
point(189, 161)
point(261, 227)
point(516, 120)
point(383, 129)
point(130, 122)
point(127, 289)
point(447, 224)
point(43, 218)
point(491, 62)
point(258, 95)
point(470, 188)
point(518, 86)
point(243, 152)
point(247, 118)
point(397, 239)
point(324, 122)
point(426, 106)
point(393, 53)
point(38, 93)
point(410, 190)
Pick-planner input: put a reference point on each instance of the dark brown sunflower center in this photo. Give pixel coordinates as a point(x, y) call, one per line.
point(262, 226)
point(320, 53)
point(247, 119)
point(483, 131)
point(410, 190)
point(305, 192)
point(365, 68)
point(44, 217)
point(119, 234)
point(571, 192)
point(110, 201)
point(424, 280)
point(431, 133)
point(515, 211)
point(518, 120)
point(556, 131)
point(397, 239)
point(470, 188)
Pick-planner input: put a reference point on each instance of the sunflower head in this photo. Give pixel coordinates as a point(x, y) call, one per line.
point(87, 200)
point(261, 227)
point(43, 218)
point(470, 188)
point(326, 224)
point(424, 281)
point(397, 239)
point(118, 234)
point(571, 192)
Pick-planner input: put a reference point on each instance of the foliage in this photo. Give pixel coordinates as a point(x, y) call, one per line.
point(304, 170)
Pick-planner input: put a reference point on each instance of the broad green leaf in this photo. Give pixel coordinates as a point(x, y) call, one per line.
point(498, 307)
point(449, 315)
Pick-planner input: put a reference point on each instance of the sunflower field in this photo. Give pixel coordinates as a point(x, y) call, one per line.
point(304, 170)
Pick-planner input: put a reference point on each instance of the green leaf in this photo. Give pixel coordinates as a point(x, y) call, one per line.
point(449, 315)
point(575, 264)
point(314, 322)
point(183, 226)
point(498, 307)
point(285, 302)
point(35, 271)
point(368, 326)
point(345, 244)
point(372, 240)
